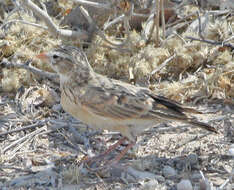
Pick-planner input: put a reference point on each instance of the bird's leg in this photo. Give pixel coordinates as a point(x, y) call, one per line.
point(107, 164)
point(114, 146)
point(122, 153)
point(102, 155)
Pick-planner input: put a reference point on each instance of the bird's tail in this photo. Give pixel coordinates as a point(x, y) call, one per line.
point(175, 111)
point(201, 125)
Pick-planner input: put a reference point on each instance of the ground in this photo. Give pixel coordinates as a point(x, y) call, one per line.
point(42, 147)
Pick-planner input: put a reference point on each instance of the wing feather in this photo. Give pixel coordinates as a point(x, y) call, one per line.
point(125, 103)
point(129, 102)
point(111, 102)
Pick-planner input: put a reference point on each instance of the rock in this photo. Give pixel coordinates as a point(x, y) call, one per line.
point(193, 159)
point(131, 175)
point(169, 172)
point(57, 107)
point(195, 177)
point(231, 150)
point(140, 175)
point(184, 184)
point(151, 184)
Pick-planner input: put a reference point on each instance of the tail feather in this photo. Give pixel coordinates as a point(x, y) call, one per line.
point(173, 105)
point(191, 110)
point(202, 125)
point(179, 112)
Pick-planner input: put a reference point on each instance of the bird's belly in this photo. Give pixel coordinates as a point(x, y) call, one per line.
point(79, 112)
point(127, 127)
point(137, 126)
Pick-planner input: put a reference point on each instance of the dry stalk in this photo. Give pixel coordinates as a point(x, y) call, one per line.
point(32, 126)
point(212, 42)
point(94, 4)
point(156, 14)
point(52, 27)
point(28, 66)
point(163, 18)
point(26, 137)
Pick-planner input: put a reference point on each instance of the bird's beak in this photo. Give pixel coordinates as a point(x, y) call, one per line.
point(43, 56)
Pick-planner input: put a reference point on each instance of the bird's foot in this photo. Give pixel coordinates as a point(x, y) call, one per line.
point(102, 161)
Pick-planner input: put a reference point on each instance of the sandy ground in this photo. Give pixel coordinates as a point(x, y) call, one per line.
point(42, 147)
point(51, 153)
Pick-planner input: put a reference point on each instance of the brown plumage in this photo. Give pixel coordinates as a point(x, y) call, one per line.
point(105, 103)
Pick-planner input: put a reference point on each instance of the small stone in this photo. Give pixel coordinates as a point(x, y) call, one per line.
point(230, 186)
point(151, 184)
point(204, 184)
point(169, 172)
point(231, 150)
point(193, 159)
point(160, 178)
point(184, 184)
point(195, 177)
point(140, 175)
point(57, 107)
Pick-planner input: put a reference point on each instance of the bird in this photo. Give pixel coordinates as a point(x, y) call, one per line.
point(113, 105)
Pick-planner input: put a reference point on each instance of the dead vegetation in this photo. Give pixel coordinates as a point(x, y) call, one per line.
point(43, 147)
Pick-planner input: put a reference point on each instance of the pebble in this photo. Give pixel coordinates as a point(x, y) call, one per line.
point(193, 159)
point(169, 172)
point(57, 107)
point(184, 184)
point(204, 184)
point(195, 177)
point(231, 150)
point(151, 184)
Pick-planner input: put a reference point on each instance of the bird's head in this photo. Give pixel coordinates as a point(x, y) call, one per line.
point(67, 61)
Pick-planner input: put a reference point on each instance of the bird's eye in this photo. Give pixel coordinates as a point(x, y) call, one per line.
point(55, 56)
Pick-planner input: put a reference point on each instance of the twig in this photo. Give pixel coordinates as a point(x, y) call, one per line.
point(17, 8)
point(20, 145)
point(155, 16)
point(199, 25)
point(212, 42)
point(162, 17)
point(180, 20)
point(131, 75)
point(162, 65)
point(23, 22)
point(99, 32)
point(219, 12)
point(32, 126)
point(229, 39)
point(58, 124)
point(94, 4)
point(120, 18)
point(127, 17)
point(157, 21)
point(180, 37)
point(64, 33)
point(224, 184)
point(23, 139)
point(7, 102)
point(203, 177)
point(54, 128)
point(27, 66)
point(116, 20)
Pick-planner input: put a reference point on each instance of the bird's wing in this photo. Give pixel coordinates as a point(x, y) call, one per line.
point(124, 101)
point(118, 100)
point(114, 103)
